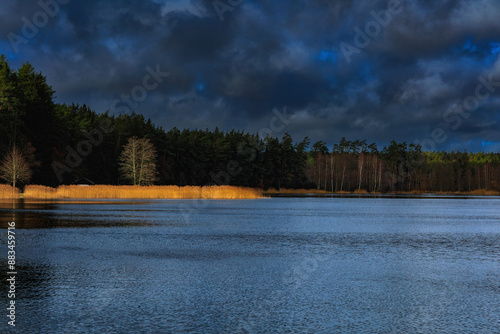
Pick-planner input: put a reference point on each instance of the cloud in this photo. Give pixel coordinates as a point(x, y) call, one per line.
point(270, 54)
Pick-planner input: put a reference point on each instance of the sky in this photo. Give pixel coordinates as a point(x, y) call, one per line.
point(422, 71)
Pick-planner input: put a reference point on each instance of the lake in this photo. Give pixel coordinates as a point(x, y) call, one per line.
point(275, 265)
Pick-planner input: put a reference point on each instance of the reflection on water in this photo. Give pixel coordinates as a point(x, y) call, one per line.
point(53, 214)
point(297, 265)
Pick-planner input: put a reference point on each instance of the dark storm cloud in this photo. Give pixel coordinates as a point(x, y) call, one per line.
point(399, 84)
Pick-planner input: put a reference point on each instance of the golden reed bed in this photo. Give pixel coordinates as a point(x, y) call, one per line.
point(8, 192)
point(296, 191)
point(140, 192)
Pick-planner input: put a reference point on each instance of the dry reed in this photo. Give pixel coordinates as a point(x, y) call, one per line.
point(476, 192)
point(484, 192)
point(140, 192)
point(8, 192)
point(296, 191)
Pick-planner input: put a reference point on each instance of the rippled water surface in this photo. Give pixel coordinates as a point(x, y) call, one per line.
point(278, 265)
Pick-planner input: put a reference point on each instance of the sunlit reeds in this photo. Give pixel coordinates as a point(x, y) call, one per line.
point(39, 192)
point(140, 192)
point(8, 192)
point(174, 192)
point(230, 192)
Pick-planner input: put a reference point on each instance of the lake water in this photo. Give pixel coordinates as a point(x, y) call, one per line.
point(276, 265)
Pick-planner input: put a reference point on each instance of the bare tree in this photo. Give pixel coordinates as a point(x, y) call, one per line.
point(15, 168)
point(138, 161)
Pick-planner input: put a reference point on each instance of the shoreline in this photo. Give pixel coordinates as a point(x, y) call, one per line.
point(315, 192)
point(97, 192)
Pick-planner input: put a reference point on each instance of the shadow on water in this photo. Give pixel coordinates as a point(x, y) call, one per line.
point(33, 214)
point(33, 281)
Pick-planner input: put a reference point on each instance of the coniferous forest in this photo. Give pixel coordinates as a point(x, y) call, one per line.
point(63, 143)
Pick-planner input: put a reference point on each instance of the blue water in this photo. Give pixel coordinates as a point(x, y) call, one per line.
point(278, 265)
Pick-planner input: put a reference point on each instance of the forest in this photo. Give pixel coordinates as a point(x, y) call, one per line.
point(61, 144)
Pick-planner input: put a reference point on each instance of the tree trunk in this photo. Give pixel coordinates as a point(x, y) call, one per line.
point(361, 162)
point(343, 174)
point(331, 170)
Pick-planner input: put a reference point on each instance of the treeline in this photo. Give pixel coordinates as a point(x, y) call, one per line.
point(355, 165)
point(64, 143)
